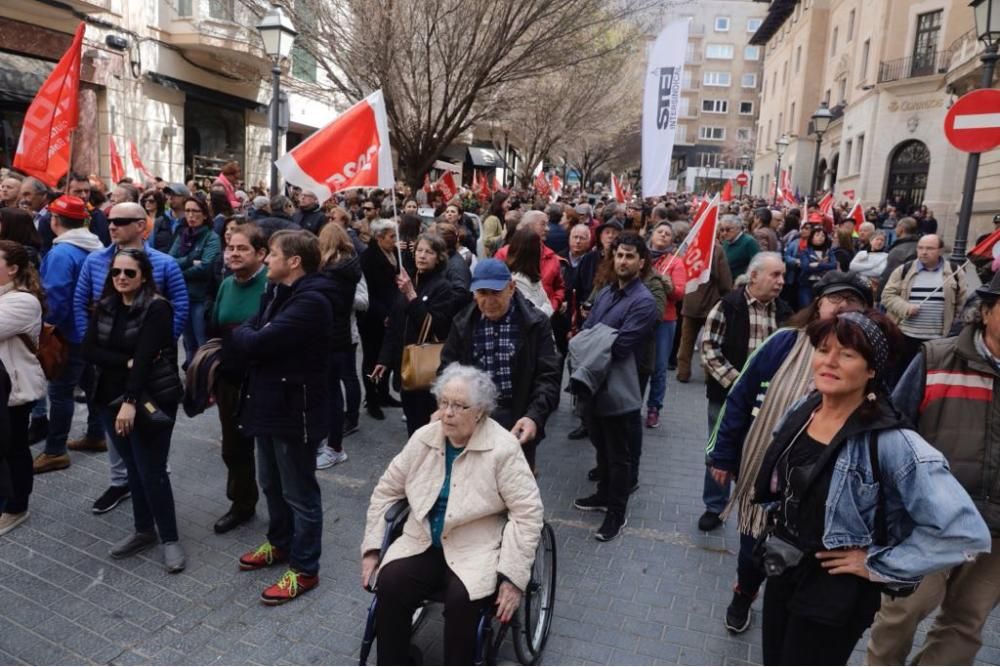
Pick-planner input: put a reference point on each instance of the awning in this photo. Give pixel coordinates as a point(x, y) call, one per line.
point(485, 157)
point(203, 94)
point(21, 77)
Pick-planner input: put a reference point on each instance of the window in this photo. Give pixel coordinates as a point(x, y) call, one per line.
point(774, 81)
point(781, 122)
point(743, 134)
point(753, 24)
point(303, 64)
point(768, 132)
point(751, 53)
point(221, 9)
point(680, 134)
point(746, 108)
point(861, 152)
point(925, 44)
point(721, 24)
point(184, 7)
point(717, 78)
point(722, 51)
point(791, 118)
point(865, 49)
point(848, 149)
point(784, 74)
point(833, 42)
point(715, 106)
point(826, 97)
point(748, 80)
point(843, 91)
point(712, 133)
point(798, 58)
point(850, 26)
point(685, 106)
point(689, 53)
point(686, 79)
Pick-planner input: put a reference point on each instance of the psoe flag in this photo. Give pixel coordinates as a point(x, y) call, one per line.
point(660, 104)
point(350, 152)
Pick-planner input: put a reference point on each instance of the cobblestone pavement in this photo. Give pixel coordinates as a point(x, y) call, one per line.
point(655, 596)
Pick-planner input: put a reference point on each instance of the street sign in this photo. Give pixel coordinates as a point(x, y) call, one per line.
point(742, 179)
point(973, 122)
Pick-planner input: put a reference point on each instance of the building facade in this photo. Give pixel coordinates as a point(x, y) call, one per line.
point(186, 81)
point(718, 103)
point(888, 70)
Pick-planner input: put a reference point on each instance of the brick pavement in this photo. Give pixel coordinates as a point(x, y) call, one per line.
point(655, 596)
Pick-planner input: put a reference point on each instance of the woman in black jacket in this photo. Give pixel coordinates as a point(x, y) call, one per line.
point(130, 342)
point(428, 295)
point(380, 265)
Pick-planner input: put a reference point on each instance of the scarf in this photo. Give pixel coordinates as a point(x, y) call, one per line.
point(655, 255)
point(790, 383)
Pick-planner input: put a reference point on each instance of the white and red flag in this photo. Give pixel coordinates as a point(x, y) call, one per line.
point(826, 206)
point(137, 162)
point(447, 186)
point(557, 186)
point(350, 152)
point(616, 190)
point(849, 194)
point(727, 191)
point(699, 246)
point(44, 147)
point(856, 214)
point(496, 183)
point(785, 191)
point(483, 190)
point(984, 248)
point(117, 166)
point(542, 185)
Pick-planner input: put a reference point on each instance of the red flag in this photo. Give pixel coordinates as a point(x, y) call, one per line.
point(475, 180)
point(826, 205)
point(446, 186)
point(701, 208)
point(849, 194)
point(985, 247)
point(727, 191)
point(117, 168)
point(857, 215)
point(616, 190)
point(352, 151)
point(557, 186)
point(484, 189)
point(697, 250)
point(45, 145)
point(134, 153)
point(542, 185)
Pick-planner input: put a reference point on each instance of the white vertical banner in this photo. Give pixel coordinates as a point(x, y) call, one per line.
point(660, 104)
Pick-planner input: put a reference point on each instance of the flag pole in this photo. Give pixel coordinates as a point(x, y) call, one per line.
point(395, 219)
point(943, 283)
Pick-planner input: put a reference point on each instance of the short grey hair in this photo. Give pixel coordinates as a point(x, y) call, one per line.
point(35, 184)
point(479, 384)
point(381, 226)
point(733, 220)
point(758, 260)
point(534, 217)
point(867, 226)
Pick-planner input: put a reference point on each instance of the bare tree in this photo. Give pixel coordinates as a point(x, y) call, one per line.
point(446, 65)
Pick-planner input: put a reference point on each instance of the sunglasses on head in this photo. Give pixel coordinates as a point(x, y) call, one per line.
point(129, 273)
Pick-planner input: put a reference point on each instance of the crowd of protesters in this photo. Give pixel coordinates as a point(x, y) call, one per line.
point(861, 497)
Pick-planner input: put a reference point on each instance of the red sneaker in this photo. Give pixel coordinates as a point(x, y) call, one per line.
point(265, 555)
point(291, 585)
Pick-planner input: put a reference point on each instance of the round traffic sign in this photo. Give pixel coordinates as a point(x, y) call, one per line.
point(742, 179)
point(973, 122)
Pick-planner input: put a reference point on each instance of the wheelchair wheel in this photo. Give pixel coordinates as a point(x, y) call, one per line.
point(534, 618)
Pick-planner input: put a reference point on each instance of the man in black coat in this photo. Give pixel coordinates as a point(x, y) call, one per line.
point(309, 215)
point(284, 406)
point(505, 335)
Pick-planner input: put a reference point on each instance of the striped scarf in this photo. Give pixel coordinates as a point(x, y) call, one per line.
point(790, 383)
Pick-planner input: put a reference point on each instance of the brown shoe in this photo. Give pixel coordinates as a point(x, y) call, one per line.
point(86, 444)
point(47, 463)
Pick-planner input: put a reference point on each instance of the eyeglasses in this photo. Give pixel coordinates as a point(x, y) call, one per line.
point(451, 406)
point(129, 273)
point(838, 298)
point(120, 222)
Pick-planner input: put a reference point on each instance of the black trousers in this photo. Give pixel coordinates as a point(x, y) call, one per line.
point(418, 406)
point(22, 475)
point(402, 585)
point(237, 450)
point(789, 638)
point(612, 438)
point(372, 332)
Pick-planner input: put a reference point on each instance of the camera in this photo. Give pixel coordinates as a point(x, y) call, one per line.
point(779, 556)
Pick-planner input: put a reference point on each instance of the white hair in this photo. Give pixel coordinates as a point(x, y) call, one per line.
point(381, 226)
point(534, 217)
point(757, 262)
point(478, 383)
point(733, 220)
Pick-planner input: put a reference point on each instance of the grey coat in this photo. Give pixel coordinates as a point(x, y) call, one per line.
point(613, 385)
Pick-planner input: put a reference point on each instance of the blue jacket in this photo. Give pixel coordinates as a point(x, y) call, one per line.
point(811, 274)
point(60, 271)
point(932, 523)
point(631, 311)
point(746, 396)
point(166, 274)
point(287, 349)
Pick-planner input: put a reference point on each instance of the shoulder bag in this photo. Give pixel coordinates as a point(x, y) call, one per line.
point(421, 360)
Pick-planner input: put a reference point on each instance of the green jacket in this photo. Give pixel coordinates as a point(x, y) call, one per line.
point(196, 266)
point(740, 252)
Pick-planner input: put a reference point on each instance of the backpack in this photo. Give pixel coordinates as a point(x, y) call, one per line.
point(52, 350)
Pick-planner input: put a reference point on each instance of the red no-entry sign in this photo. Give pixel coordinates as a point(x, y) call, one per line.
point(973, 122)
point(742, 179)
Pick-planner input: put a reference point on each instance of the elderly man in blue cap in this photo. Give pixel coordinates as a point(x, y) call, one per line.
point(505, 335)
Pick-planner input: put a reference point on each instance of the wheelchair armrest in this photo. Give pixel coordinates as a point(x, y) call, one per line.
point(395, 517)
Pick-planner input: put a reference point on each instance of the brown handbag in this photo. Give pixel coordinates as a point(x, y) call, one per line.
point(52, 350)
point(421, 360)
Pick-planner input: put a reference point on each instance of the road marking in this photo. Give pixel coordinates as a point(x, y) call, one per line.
point(977, 121)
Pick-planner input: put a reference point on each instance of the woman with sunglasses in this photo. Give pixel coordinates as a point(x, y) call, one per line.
point(130, 343)
point(195, 248)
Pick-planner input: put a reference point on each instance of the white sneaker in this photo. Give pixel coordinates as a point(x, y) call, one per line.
point(9, 522)
point(327, 458)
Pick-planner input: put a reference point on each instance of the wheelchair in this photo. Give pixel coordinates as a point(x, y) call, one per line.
point(530, 625)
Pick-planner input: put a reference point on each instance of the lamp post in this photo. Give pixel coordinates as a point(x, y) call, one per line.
point(821, 120)
point(779, 147)
point(279, 34)
point(744, 167)
point(988, 28)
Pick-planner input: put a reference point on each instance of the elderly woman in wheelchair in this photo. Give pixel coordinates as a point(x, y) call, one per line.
point(475, 521)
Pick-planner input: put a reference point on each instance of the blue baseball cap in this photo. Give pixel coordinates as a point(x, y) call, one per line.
point(491, 274)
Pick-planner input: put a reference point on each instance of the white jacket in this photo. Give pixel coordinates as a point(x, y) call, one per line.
point(20, 313)
point(534, 292)
point(869, 264)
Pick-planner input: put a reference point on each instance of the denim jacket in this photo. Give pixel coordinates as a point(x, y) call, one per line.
point(932, 523)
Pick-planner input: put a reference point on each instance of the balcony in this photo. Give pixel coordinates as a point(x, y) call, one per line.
point(90, 6)
point(928, 63)
point(223, 29)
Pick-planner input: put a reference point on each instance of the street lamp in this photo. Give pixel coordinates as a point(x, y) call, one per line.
point(779, 147)
point(279, 34)
point(821, 120)
point(744, 166)
point(987, 14)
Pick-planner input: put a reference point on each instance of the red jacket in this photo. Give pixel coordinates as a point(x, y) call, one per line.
point(551, 271)
point(678, 276)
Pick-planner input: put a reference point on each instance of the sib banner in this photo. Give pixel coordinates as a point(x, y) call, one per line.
point(661, 100)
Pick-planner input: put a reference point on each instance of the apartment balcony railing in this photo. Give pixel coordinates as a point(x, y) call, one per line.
point(927, 63)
